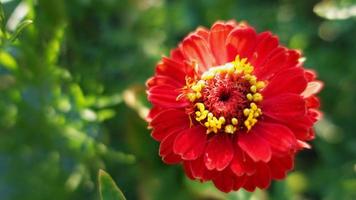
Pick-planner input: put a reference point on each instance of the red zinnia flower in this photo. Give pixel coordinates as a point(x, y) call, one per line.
point(233, 106)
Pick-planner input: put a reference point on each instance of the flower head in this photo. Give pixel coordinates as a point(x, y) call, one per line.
point(233, 106)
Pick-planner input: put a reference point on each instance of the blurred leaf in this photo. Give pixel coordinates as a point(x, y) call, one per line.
point(297, 182)
point(105, 114)
point(204, 190)
point(2, 14)
point(334, 10)
point(88, 115)
point(108, 188)
point(105, 101)
point(20, 28)
point(131, 97)
point(7, 61)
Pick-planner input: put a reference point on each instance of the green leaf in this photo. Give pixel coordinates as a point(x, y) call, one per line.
point(2, 23)
point(107, 187)
point(7, 61)
point(19, 29)
point(2, 15)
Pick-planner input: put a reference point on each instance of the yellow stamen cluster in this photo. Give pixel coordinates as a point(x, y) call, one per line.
point(252, 114)
point(239, 67)
point(242, 66)
point(196, 91)
point(213, 124)
point(254, 96)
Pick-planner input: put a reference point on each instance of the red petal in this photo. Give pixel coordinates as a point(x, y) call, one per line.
point(292, 59)
point(188, 170)
point(304, 122)
point(190, 143)
point(249, 184)
point(287, 162)
point(224, 181)
point(310, 74)
point(197, 167)
point(163, 80)
point(311, 134)
point(152, 113)
point(203, 32)
point(288, 81)
point(285, 107)
point(302, 145)
point(171, 68)
point(262, 176)
point(199, 170)
point(266, 43)
point(279, 166)
point(166, 96)
point(166, 145)
point(232, 22)
point(166, 149)
point(279, 137)
point(219, 152)
point(301, 133)
point(195, 48)
point(239, 182)
point(241, 164)
point(172, 159)
point(177, 56)
point(241, 41)
point(277, 170)
point(257, 148)
point(312, 102)
point(313, 87)
point(273, 64)
point(217, 39)
point(168, 121)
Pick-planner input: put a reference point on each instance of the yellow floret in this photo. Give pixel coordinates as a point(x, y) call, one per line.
point(234, 121)
point(257, 97)
point(253, 89)
point(249, 96)
point(246, 112)
point(253, 106)
point(230, 129)
point(260, 85)
point(253, 80)
point(208, 75)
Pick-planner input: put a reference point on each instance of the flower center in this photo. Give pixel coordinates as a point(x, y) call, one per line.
point(226, 98)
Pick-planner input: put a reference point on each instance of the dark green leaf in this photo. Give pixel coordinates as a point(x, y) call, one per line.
point(108, 188)
point(19, 29)
point(2, 15)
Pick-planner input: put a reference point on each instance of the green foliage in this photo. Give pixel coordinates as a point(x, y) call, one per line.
point(107, 187)
point(19, 28)
point(72, 95)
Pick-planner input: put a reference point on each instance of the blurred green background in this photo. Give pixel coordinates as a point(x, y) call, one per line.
point(72, 95)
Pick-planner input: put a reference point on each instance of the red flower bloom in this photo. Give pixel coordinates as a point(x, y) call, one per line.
point(233, 106)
